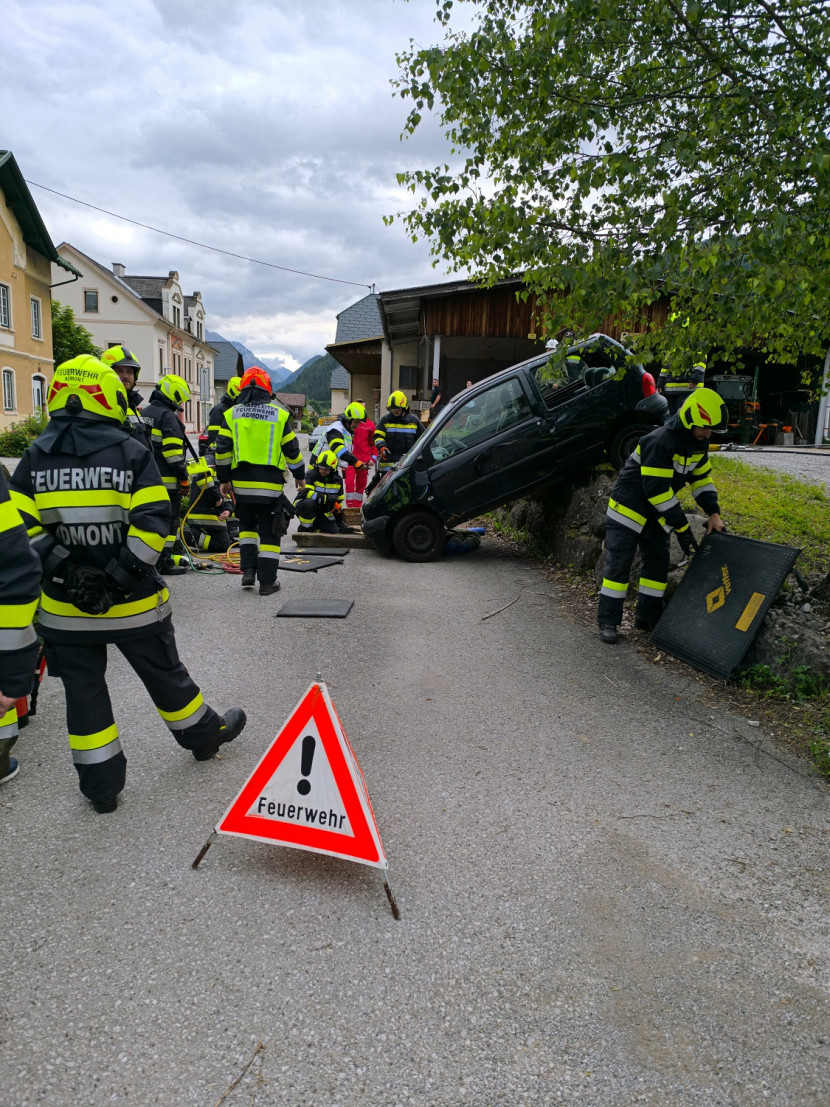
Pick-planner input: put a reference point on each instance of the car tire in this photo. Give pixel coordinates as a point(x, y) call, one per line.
point(624, 441)
point(418, 536)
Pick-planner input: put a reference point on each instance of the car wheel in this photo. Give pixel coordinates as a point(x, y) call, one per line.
point(625, 440)
point(418, 536)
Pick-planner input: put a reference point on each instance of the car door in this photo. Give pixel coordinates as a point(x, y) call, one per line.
point(490, 449)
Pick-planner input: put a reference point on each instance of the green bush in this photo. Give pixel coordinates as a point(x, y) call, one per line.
point(20, 435)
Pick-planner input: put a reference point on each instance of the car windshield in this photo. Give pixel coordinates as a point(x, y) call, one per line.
point(494, 410)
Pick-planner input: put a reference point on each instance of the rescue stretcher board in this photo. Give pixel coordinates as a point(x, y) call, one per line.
point(719, 606)
point(308, 792)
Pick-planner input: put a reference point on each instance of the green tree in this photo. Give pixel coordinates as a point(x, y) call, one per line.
point(620, 150)
point(69, 339)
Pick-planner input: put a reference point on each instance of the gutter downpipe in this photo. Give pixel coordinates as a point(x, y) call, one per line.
point(824, 403)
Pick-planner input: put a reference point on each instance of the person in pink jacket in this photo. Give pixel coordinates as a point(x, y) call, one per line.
point(364, 449)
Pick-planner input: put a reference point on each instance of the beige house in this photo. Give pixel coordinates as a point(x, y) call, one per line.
point(153, 317)
point(26, 257)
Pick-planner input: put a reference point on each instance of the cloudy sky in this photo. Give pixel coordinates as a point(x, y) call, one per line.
point(264, 127)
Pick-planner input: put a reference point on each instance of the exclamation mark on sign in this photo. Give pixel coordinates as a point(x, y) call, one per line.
point(306, 758)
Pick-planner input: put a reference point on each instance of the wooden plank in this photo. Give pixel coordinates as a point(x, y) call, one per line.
point(325, 541)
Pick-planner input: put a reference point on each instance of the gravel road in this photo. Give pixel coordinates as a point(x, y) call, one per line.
point(614, 889)
point(811, 465)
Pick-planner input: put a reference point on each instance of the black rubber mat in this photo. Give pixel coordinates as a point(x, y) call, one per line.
point(316, 551)
point(296, 563)
point(719, 606)
point(315, 609)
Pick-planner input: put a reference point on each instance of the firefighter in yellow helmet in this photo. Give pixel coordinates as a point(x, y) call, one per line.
point(644, 511)
point(169, 450)
point(685, 369)
point(126, 366)
point(394, 434)
point(338, 436)
point(19, 593)
point(253, 448)
point(216, 419)
point(97, 515)
point(320, 503)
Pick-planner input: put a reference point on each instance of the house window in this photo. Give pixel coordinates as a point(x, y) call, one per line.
point(37, 327)
point(8, 390)
point(5, 306)
point(38, 393)
point(161, 360)
point(408, 376)
point(90, 299)
point(200, 331)
point(177, 316)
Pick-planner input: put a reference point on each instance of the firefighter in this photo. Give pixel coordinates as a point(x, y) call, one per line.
point(643, 509)
point(685, 373)
point(209, 511)
point(216, 419)
point(168, 438)
point(126, 365)
point(395, 433)
point(19, 593)
point(98, 515)
point(252, 449)
point(338, 437)
point(321, 501)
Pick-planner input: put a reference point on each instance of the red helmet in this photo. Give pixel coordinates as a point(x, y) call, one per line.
point(256, 376)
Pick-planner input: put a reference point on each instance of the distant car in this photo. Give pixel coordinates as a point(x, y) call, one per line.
point(536, 423)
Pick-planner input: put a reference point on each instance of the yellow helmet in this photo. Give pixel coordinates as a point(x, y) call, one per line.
point(703, 408)
point(175, 388)
point(327, 457)
point(86, 388)
point(398, 399)
point(234, 387)
point(356, 412)
point(118, 357)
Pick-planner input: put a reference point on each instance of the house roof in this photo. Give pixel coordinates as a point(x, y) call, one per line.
point(360, 320)
point(228, 361)
point(340, 378)
point(116, 280)
point(291, 399)
point(148, 288)
point(19, 199)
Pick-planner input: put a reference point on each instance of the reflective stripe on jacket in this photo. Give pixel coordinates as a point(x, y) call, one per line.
point(397, 433)
point(19, 594)
point(253, 448)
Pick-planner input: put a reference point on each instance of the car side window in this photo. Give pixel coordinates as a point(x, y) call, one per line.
point(485, 415)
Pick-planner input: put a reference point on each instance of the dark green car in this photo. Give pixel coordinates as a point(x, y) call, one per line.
point(533, 424)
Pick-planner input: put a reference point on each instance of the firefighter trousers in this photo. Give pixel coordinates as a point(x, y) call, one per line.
point(175, 521)
point(259, 547)
point(621, 545)
point(93, 734)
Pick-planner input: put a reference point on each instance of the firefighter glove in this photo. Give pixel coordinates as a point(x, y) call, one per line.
point(359, 464)
point(684, 537)
point(88, 589)
point(385, 453)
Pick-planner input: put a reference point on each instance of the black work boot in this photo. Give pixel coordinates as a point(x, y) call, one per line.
point(106, 805)
point(248, 578)
point(269, 589)
point(233, 723)
point(608, 633)
point(645, 625)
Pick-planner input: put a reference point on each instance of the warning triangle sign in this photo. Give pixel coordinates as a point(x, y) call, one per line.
point(308, 790)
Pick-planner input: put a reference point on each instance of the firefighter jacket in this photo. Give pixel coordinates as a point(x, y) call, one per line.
point(140, 428)
point(168, 439)
point(19, 594)
point(216, 419)
point(206, 504)
point(254, 446)
point(683, 374)
point(92, 490)
point(326, 492)
point(663, 462)
point(397, 433)
point(339, 439)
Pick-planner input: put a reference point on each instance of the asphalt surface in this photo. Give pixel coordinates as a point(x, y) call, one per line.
point(613, 888)
point(811, 465)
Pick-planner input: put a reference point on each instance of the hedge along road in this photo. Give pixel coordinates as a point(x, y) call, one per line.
point(611, 889)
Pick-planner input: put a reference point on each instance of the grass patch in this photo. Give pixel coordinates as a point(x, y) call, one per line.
point(773, 507)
